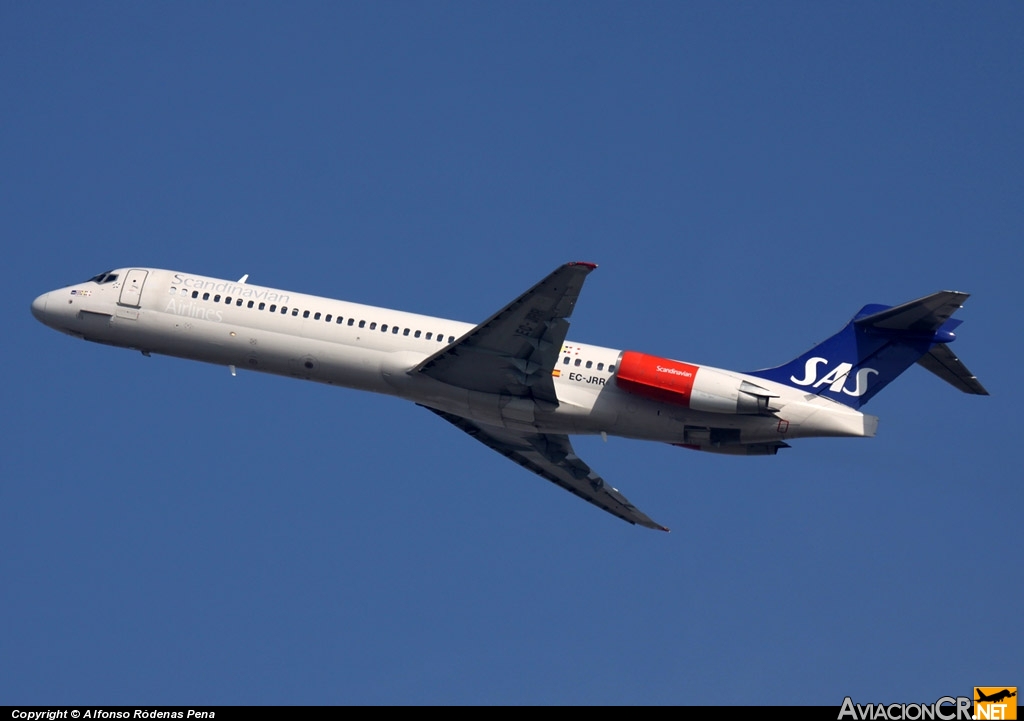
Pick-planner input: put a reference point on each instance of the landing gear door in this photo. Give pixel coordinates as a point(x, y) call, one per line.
point(131, 289)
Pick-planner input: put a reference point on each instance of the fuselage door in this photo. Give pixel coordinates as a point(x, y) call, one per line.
point(131, 290)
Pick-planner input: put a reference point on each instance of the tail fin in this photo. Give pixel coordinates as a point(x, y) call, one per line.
point(877, 346)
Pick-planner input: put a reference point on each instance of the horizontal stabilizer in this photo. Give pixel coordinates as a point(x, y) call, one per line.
point(930, 314)
point(941, 361)
point(924, 315)
point(875, 347)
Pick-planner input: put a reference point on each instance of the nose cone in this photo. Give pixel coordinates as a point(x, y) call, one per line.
point(39, 307)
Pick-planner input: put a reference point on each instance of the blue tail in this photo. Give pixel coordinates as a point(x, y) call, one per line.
point(877, 346)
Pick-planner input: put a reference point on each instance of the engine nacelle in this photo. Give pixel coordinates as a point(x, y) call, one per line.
point(697, 387)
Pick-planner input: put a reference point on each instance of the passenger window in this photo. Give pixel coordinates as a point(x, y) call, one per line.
point(316, 316)
point(416, 334)
point(362, 323)
point(273, 308)
point(373, 326)
point(589, 364)
point(216, 298)
point(384, 328)
point(611, 369)
point(351, 321)
point(251, 303)
point(174, 291)
point(238, 302)
point(578, 361)
point(295, 311)
point(262, 305)
point(565, 361)
point(184, 292)
point(440, 337)
point(327, 318)
point(206, 296)
point(428, 336)
point(405, 332)
point(600, 366)
point(228, 300)
point(394, 330)
point(305, 314)
point(451, 339)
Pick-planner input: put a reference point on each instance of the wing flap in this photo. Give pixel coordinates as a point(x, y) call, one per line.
point(552, 458)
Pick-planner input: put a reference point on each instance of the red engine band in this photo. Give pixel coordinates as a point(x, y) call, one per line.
point(657, 378)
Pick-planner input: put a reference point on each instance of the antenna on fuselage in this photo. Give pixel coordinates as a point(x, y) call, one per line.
point(243, 278)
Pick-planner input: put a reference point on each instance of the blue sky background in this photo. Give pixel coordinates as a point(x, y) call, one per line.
point(747, 175)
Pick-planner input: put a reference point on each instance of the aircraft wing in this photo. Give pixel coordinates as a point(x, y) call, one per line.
point(514, 351)
point(552, 457)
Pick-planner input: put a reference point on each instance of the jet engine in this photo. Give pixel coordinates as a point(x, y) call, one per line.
point(697, 387)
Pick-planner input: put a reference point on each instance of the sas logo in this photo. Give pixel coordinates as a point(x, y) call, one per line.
point(995, 702)
point(835, 378)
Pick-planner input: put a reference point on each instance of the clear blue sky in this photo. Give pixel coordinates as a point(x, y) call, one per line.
point(747, 175)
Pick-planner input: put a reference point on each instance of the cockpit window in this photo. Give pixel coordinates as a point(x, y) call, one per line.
point(105, 277)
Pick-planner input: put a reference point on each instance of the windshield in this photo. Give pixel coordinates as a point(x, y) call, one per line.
point(104, 277)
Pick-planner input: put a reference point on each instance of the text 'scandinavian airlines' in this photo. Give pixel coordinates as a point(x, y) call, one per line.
point(514, 382)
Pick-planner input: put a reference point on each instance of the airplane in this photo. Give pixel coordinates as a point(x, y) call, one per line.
point(513, 382)
point(996, 697)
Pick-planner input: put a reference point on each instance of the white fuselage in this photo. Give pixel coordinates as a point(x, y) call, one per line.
point(241, 325)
